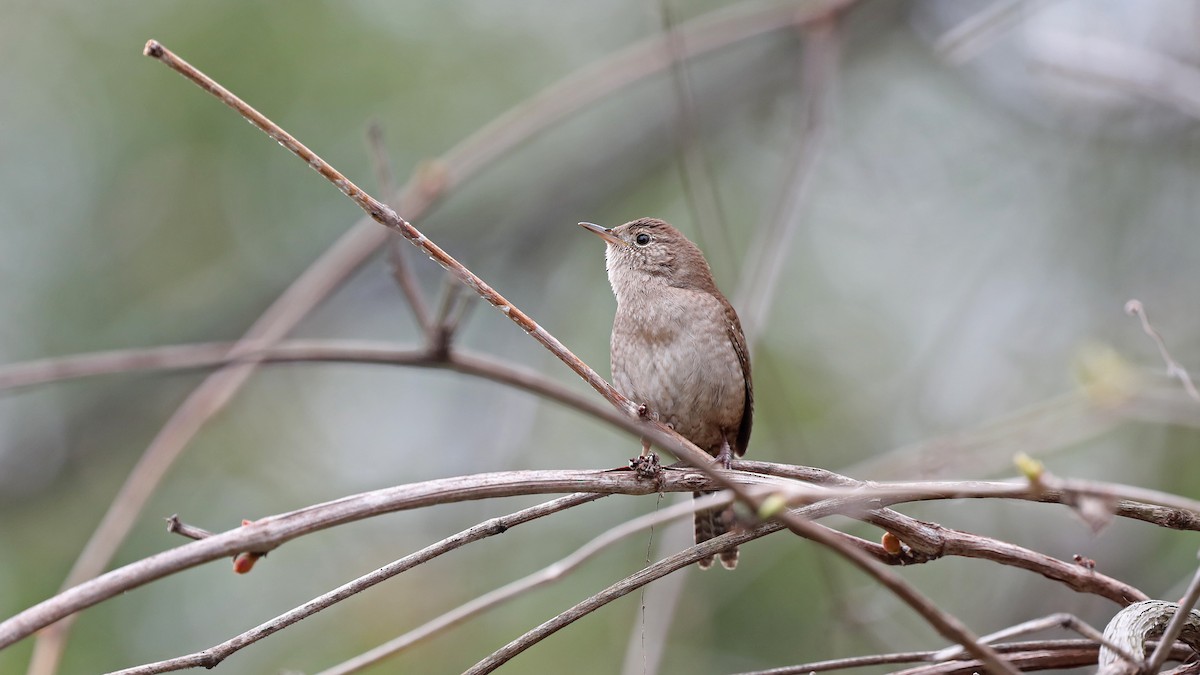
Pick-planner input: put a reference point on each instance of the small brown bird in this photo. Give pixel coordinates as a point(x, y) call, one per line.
point(678, 348)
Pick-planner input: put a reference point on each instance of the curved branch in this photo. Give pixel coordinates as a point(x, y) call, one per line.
point(266, 534)
point(848, 497)
point(1150, 506)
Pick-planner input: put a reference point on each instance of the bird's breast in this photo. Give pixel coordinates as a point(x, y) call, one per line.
point(673, 353)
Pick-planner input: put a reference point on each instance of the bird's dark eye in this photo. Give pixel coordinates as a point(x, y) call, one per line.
point(642, 239)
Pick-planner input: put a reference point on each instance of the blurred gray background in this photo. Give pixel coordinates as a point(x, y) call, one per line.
point(992, 181)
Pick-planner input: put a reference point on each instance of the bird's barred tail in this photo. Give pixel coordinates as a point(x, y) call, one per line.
point(712, 523)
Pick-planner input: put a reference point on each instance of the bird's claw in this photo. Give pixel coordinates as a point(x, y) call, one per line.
point(646, 466)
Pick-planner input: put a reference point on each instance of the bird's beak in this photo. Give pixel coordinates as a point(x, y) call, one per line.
point(604, 233)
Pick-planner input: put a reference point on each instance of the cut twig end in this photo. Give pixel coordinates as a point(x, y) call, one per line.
point(176, 526)
point(153, 49)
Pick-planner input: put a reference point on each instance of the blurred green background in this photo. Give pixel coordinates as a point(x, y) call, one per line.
point(979, 211)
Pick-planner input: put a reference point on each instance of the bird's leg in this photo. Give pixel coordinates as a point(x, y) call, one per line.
point(725, 456)
point(646, 413)
point(646, 464)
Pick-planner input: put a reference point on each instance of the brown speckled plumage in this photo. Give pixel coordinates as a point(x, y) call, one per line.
point(677, 347)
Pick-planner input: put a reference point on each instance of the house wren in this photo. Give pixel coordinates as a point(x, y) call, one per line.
point(678, 348)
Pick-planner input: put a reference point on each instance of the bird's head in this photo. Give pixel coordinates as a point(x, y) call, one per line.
point(647, 250)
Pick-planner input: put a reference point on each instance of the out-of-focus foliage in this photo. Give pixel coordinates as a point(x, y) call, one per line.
point(978, 215)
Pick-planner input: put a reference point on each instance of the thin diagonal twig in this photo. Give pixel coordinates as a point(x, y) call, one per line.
point(971, 37)
point(544, 576)
point(1174, 368)
point(211, 657)
point(1061, 620)
point(397, 254)
point(696, 174)
point(769, 253)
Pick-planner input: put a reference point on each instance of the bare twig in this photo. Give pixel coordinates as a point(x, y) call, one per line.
point(1079, 653)
point(1036, 658)
point(1032, 655)
point(452, 308)
point(1191, 668)
point(428, 184)
point(547, 575)
point(930, 541)
point(1174, 369)
point(212, 656)
point(176, 526)
point(1062, 620)
point(972, 36)
point(397, 254)
point(847, 663)
point(849, 498)
point(59, 368)
point(696, 175)
point(798, 521)
point(203, 355)
point(272, 531)
point(772, 246)
point(1128, 502)
point(1125, 67)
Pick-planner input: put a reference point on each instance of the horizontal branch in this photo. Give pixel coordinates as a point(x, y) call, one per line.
point(858, 500)
point(1029, 655)
point(214, 354)
point(1074, 652)
point(1152, 506)
point(268, 533)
